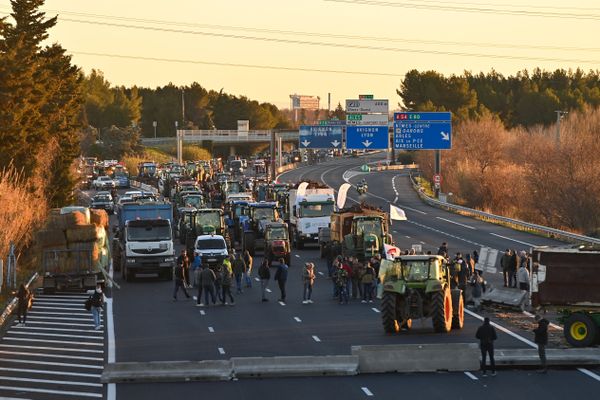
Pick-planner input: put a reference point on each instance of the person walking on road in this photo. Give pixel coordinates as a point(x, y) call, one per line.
point(247, 275)
point(184, 261)
point(179, 281)
point(541, 339)
point(97, 300)
point(505, 265)
point(514, 264)
point(226, 281)
point(281, 278)
point(366, 280)
point(206, 285)
point(23, 296)
point(239, 270)
point(264, 273)
point(487, 335)
point(308, 280)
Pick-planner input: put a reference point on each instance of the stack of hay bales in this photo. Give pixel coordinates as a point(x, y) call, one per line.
point(75, 237)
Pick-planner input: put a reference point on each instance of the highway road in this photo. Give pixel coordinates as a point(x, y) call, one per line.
point(150, 326)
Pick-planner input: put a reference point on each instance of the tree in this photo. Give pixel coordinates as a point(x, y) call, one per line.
point(339, 112)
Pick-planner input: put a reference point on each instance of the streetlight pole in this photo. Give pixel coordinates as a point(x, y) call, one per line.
point(182, 108)
point(154, 124)
point(559, 115)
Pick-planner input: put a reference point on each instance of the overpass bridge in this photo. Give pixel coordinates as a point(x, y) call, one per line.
point(225, 137)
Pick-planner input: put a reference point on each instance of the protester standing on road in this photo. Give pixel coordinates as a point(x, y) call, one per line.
point(337, 263)
point(185, 263)
point(206, 285)
point(98, 300)
point(366, 280)
point(505, 265)
point(341, 280)
point(179, 282)
point(226, 281)
point(247, 275)
point(218, 270)
point(239, 270)
point(487, 335)
point(523, 277)
point(308, 280)
point(514, 264)
point(196, 264)
point(357, 271)
point(443, 250)
point(477, 289)
point(264, 273)
point(23, 296)
point(281, 278)
point(541, 339)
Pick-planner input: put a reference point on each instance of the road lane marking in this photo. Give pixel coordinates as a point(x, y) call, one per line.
point(375, 309)
point(221, 350)
point(281, 303)
point(268, 290)
point(503, 329)
point(41, 328)
point(316, 338)
point(7, 339)
point(46, 355)
point(470, 375)
point(100, 338)
point(72, 383)
point(408, 237)
point(395, 199)
point(367, 391)
point(589, 373)
point(211, 329)
point(202, 312)
point(49, 372)
point(32, 318)
point(57, 364)
point(422, 242)
point(457, 223)
point(257, 279)
point(16, 346)
point(297, 319)
point(514, 240)
point(47, 391)
point(297, 255)
point(58, 323)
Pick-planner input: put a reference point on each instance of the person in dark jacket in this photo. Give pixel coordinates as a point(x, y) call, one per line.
point(206, 285)
point(179, 281)
point(505, 263)
point(514, 264)
point(239, 269)
point(281, 278)
point(23, 296)
point(264, 273)
point(97, 299)
point(541, 339)
point(487, 335)
point(184, 261)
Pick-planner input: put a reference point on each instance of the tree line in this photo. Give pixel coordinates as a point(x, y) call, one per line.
point(524, 99)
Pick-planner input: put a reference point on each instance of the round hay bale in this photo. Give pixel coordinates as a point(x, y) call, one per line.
point(81, 233)
point(99, 218)
point(51, 238)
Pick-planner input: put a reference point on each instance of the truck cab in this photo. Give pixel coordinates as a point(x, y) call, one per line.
point(309, 212)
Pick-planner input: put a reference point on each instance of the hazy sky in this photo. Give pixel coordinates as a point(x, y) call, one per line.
point(550, 34)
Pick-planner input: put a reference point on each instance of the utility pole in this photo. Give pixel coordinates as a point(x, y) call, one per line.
point(328, 105)
point(154, 124)
point(559, 115)
point(182, 109)
point(438, 170)
point(272, 155)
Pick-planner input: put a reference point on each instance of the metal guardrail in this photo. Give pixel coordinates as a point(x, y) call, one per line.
point(224, 136)
point(143, 186)
point(13, 303)
point(557, 233)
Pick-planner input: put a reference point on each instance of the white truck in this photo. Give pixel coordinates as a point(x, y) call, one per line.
point(309, 212)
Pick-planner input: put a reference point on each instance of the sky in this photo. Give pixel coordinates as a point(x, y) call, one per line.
point(342, 47)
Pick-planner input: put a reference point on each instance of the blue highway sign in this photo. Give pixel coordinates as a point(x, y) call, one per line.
point(320, 137)
point(367, 137)
point(423, 130)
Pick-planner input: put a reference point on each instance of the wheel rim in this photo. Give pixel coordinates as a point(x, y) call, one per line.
point(578, 331)
point(448, 309)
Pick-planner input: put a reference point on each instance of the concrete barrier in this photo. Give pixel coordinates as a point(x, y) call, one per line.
point(417, 357)
point(508, 297)
point(253, 367)
point(167, 371)
point(556, 357)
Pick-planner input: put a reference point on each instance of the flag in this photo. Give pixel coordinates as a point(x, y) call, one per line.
point(397, 214)
point(391, 252)
point(342, 194)
point(302, 189)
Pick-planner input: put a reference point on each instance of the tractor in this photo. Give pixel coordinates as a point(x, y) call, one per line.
point(277, 243)
point(205, 221)
point(419, 287)
point(147, 173)
point(253, 224)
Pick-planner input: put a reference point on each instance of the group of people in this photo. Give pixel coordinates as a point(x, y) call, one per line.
point(352, 278)
point(515, 269)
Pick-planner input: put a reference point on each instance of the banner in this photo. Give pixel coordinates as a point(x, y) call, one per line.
point(391, 252)
point(342, 194)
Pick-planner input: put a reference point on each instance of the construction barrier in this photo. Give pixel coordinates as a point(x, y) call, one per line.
point(167, 371)
point(255, 367)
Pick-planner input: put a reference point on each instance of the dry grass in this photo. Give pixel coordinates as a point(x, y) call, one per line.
point(161, 154)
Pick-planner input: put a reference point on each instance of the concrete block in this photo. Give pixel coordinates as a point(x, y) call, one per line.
point(513, 298)
point(558, 357)
point(167, 371)
point(251, 367)
point(417, 357)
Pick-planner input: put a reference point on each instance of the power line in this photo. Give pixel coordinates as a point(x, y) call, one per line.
point(327, 35)
point(508, 5)
point(475, 9)
point(235, 65)
point(339, 45)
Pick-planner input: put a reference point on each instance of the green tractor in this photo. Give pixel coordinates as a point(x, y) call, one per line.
point(419, 287)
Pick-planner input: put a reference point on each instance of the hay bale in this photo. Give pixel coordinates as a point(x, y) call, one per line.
point(83, 250)
point(74, 219)
point(56, 222)
point(99, 218)
point(82, 233)
point(51, 239)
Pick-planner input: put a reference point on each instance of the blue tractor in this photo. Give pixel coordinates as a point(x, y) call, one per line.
point(253, 223)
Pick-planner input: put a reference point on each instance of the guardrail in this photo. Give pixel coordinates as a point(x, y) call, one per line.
point(224, 136)
point(13, 303)
point(143, 186)
point(522, 225)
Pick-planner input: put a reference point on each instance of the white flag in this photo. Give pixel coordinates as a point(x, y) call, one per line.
point(342, 194)
point(391, 252)
point(397, 214)
point(302, 189)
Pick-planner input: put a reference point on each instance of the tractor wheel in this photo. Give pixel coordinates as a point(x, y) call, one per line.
point(388, 312)
point(458, 310)
point(580, 330)
point(442, 311)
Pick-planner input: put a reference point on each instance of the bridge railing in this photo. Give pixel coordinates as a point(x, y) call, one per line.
point(521, 225)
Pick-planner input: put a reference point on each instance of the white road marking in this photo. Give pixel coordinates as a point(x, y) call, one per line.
point(282, 303)
point(100, 338)
point(62, 308)
point(211, 329)
point(470, 375)
point(38, 328)
point(16, 346)
point(76, 305)
point(395, 199)
point(297, 319)
point(297, 255)
point(7, 339)
point(202, 312)
point(408, 237)
point(589, 373)
point(514, 240)
point(257, 279)
point(268, 290)
point(32, 318)
point(375, 309)
point(49, 372)
point(46, 355)
point(80, 314)
point(503, 329)
point(422, 242)
point(56, 323)
point(221, 350)
point(457, 223)
point(59, 392)
point(366, 391)
point(46, 296)
point(195, 298)
point(72, 383)
point(316, 338)
point(58, 364)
